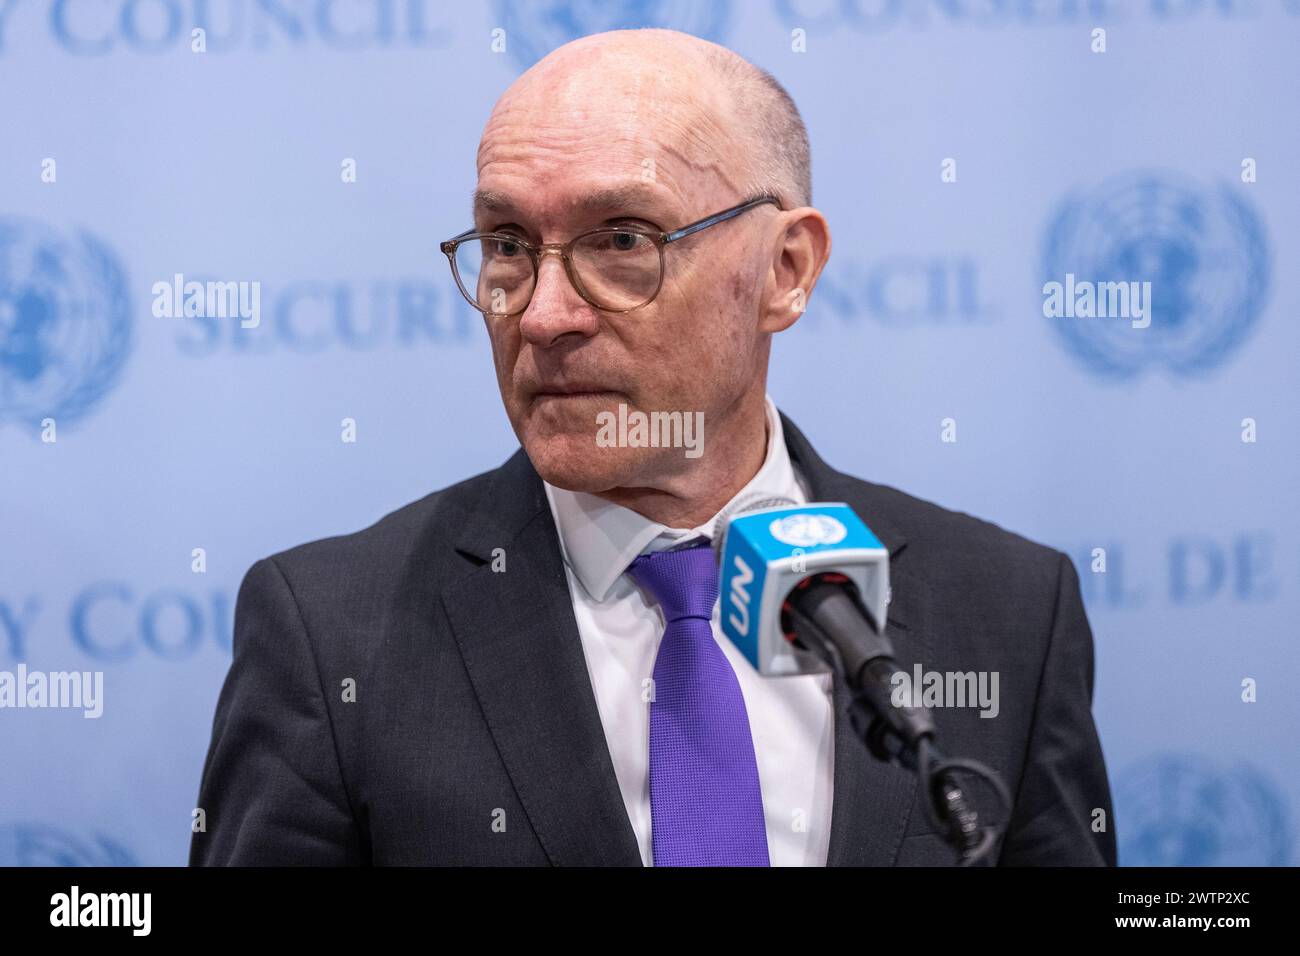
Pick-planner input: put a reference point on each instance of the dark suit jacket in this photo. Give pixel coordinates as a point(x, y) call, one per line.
point(473, 706)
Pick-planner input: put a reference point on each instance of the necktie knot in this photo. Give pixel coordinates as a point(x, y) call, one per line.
point(685, 582)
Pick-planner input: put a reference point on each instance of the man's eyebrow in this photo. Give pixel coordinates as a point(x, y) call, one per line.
point(487, 200)
point(613, 199)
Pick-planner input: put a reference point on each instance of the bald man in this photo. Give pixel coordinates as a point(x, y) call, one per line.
point(526, 668)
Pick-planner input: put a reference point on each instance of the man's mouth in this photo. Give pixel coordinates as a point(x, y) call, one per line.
point(573, 392)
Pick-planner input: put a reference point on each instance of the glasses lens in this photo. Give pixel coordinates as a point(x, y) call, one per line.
point(496, 273)
point(618, 270)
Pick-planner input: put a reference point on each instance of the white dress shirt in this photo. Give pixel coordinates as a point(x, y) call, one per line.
point(791, 718)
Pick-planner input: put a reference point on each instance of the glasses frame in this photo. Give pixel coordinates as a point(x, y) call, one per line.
point(565, 249)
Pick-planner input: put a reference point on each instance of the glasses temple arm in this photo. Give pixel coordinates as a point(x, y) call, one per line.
point(716, 218)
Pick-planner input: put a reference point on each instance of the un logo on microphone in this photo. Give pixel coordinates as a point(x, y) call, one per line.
point(1203, 251)
point(535, 29)
point(1177, 810)
point(808, 530)
point(65, 322)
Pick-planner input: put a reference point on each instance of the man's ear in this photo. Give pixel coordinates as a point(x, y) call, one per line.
point(799, 252)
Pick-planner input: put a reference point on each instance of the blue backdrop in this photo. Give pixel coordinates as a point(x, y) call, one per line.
point(127, 157)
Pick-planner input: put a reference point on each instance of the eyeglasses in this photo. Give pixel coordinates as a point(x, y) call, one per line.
point(615, 268)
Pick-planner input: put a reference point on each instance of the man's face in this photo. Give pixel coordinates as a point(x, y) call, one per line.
point(604, 140)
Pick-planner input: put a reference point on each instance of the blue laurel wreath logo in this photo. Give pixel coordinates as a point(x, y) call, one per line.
point(1204, 251)
point(65, 322)
point(35, 844)
point(1179, 810)
point(535, 29)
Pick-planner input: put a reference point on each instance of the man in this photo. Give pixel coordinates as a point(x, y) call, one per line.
point(521, 668)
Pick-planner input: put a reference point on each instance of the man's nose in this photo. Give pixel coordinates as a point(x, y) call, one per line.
point(556, 309)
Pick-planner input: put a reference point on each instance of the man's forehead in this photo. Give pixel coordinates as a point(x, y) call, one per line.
point(545, 201)
point(655, 149)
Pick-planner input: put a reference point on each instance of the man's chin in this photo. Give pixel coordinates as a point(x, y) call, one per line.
point(576, 463)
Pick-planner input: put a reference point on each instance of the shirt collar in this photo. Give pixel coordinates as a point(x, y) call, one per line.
point(599, 539)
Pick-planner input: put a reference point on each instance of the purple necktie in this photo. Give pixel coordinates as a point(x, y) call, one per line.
point(706, 807)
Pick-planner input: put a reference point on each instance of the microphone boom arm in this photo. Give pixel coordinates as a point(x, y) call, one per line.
point(824, 615)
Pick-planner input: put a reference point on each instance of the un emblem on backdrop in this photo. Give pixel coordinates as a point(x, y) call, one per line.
point(535, 29)
point(1177, 810)
point(65, 322)
point(34, 844)
point(1202, 249)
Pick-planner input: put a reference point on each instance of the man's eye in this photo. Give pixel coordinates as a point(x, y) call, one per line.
point(621, 241)
point(505, 248)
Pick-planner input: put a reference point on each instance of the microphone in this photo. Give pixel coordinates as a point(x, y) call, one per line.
point(805, 589)
point(765, 548)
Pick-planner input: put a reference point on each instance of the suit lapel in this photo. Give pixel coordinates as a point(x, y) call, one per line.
point(518, 637)
point(872, 799)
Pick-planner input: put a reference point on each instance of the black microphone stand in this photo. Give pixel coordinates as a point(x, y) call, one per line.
point(825, 616)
